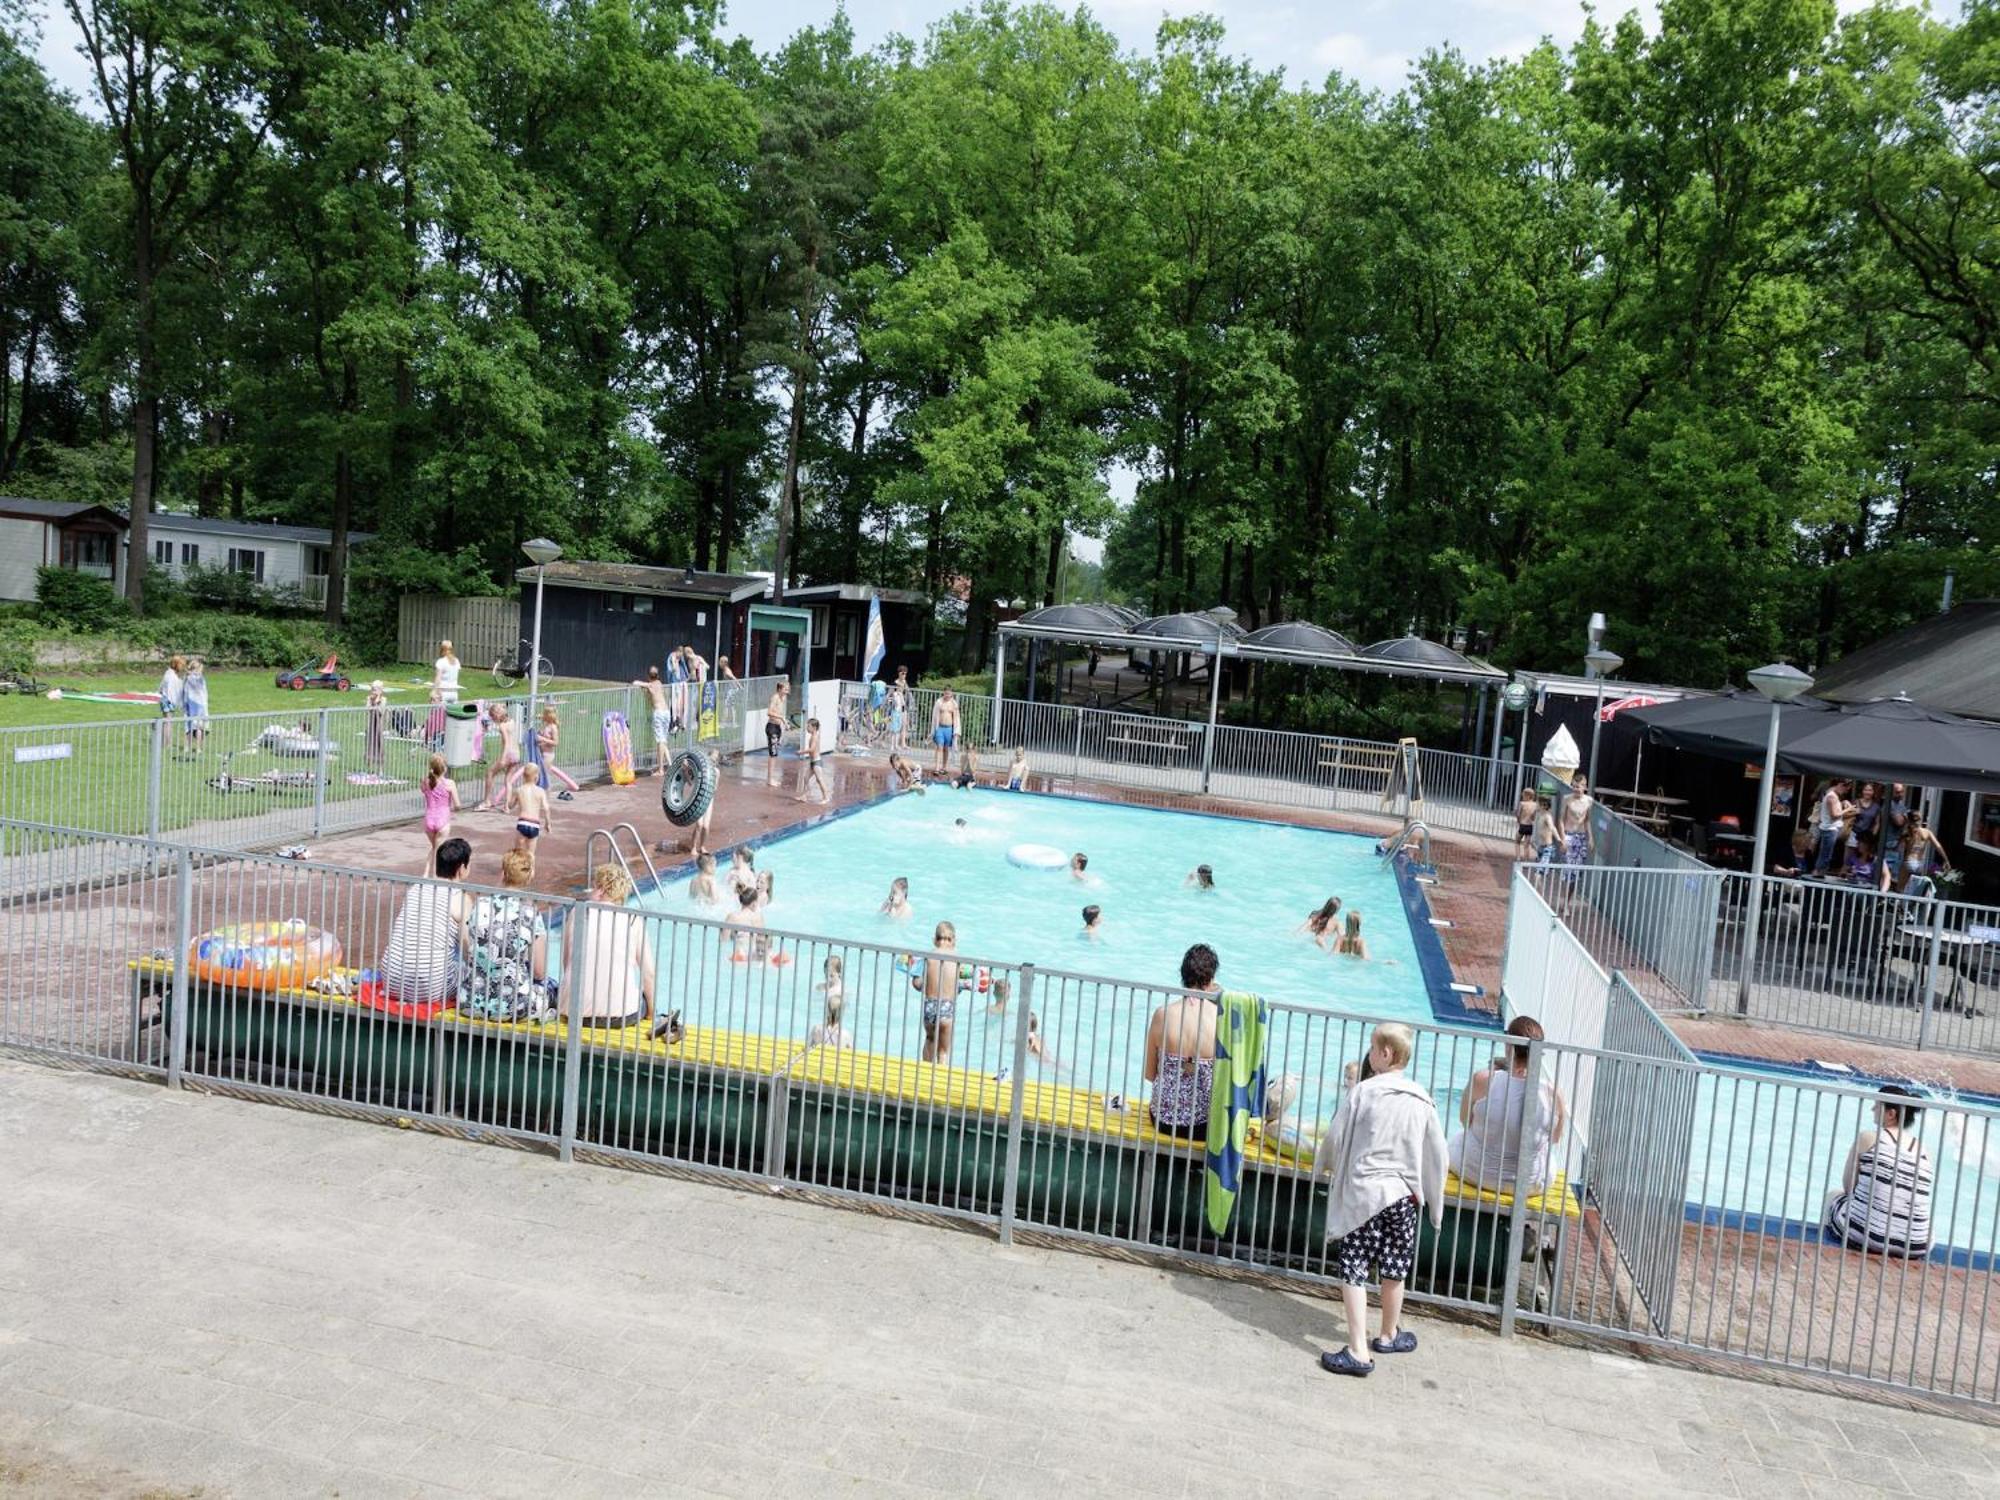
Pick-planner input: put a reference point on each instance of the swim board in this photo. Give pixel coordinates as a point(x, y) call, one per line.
point(618, 749)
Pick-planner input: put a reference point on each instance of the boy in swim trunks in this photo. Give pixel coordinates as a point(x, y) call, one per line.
point(944, 728)
point(1524, 824)
point(529, 804)
point(663, 719)
point(774, 728)
point(809, 775)
point(939, 985)
point(1017, 770)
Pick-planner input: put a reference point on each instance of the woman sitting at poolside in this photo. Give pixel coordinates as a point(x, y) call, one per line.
point(1884, 1204)
point(617, 980)
point(1486, 1151)
point(1319, 924)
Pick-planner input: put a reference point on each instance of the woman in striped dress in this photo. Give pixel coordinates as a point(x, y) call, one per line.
point(1885, 1205)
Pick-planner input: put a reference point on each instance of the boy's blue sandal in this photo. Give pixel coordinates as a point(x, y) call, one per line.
point(1340, 1362)
point(1405, 1342)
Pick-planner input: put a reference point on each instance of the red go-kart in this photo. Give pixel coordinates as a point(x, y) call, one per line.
point(326, 675)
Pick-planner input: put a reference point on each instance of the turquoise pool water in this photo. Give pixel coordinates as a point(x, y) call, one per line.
point(831, 882)
point(1761, 1145)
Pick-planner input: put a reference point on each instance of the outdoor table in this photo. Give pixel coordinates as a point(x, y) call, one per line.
point(1960, 944)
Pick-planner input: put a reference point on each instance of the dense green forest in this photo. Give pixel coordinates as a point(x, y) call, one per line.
point(1699, 327)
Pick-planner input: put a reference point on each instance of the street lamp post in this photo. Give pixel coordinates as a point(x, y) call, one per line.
point(541, 552)
point(1602, 664)
point(1516, 697)
point(1780, 684)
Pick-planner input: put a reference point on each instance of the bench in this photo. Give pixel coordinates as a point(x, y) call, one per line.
point(1368, 761)
point(1176, 742)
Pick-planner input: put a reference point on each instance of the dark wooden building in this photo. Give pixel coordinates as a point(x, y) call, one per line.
point(840, 628)
point(611, 621)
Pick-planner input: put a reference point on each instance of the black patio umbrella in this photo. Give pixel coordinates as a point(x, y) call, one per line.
point(1301, 636)
point(1890, 739)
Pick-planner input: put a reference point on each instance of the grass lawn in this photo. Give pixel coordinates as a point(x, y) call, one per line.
point(232, 691)
point(98, 770)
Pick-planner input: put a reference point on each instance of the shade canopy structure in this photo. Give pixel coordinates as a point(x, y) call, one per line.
point(1415, 651)
point(1890, 739)
point(1081, 617)
point(1183, 628)
point(1299, 635)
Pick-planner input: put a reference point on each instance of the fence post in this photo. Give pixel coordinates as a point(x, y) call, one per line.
point(319, 776)
point(572, 1004)
point(1928, 1016)
point(1517, 1215)
point(1076, 756)
point(153, 777)
point(1009, 1187)
point(177, 1008)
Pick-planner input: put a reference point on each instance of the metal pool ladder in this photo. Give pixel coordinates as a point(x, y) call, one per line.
point(610, 837)
point(1415, 836)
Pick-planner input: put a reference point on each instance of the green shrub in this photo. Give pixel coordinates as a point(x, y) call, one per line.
point(66, 597)
point(384, 573)
point(239, 640)
point(218, 588)
point(18, 639)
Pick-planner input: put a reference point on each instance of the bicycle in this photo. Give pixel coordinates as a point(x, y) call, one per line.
point(21, 682)
point(514, 666)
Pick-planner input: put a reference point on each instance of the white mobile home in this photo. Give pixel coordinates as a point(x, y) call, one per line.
point(52, 533)
point(274, 556)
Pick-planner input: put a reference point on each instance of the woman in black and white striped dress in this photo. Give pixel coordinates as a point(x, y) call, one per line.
point(1885, 1205)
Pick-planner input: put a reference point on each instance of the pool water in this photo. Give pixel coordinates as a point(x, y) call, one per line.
point(831, 881)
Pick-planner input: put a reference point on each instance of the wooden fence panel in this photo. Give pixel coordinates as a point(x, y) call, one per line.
point(479, 629)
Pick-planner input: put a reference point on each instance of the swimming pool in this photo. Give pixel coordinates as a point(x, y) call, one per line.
point(831, 881)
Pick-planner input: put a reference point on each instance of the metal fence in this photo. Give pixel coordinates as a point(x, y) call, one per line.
point(290, 776)
point(1468, 793)
point(1910, 970)
point(1659, 925)
point(1682, 1207)
point(1642, 1125)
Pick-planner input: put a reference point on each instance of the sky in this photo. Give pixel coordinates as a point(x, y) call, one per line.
point(1371, 41)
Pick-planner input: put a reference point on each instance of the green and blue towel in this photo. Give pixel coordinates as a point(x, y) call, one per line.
point(1237, 1094)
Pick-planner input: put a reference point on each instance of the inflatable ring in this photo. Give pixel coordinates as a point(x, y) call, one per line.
point(264, 955)
point(1037, 857)
point(690, 787)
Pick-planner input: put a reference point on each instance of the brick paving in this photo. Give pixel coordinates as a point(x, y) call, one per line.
point(360, 1311)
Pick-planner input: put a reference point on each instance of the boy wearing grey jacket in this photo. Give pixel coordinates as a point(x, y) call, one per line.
point(1385, 1156)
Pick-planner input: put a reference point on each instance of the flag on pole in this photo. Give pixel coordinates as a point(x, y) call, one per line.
point(876, 647)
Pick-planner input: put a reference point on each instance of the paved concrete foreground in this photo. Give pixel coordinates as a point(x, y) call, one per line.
point(200, 1295)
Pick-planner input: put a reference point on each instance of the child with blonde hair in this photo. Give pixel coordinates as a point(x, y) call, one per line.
point(1384, 1155)
point(529, 806)
point(548, 735)
point(830, 1033)
point(440, 802)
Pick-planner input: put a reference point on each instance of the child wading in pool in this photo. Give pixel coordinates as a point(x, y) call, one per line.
point(529, 805)
point(830, 1033)
point(702, 889)
point(440, 802)
point(938, 983)
point(898, 904)
point(1017, 770)
point(1351, 942)
point(742, 929)
point(1385, 1156)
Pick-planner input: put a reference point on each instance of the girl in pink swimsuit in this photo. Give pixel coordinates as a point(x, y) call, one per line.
point(440, 802)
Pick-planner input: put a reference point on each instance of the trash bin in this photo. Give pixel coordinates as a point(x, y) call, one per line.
point(464, 745)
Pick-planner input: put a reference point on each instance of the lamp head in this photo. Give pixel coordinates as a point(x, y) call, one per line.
point(1781, 682)
point(1515, 696)
point(541, 551)
point(1603, 663)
